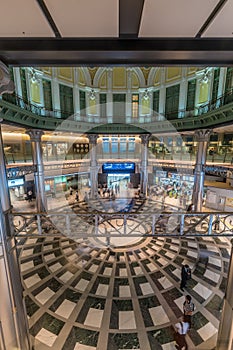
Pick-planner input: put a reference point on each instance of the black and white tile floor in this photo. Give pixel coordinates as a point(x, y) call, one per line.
point(82, 297)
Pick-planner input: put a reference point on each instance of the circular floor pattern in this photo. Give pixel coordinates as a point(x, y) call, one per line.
point(110, 233)
point(82, 297)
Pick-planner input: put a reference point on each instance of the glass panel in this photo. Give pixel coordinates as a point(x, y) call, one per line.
point(23, 84)
point(114, 145)
point(123, 145)
point(66, 100)
point(47, 95)
point(228, 85)
point(105, 145)
point(82, 97)
point(172, 101)
point(215, 84)
point(103, 105)
point(118, 106)
point(131, 144)
point(191, 92)
point(155, 102)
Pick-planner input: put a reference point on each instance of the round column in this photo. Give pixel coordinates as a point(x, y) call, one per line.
point(202, 137)
point(35, 137)
point(14, 331)
point(93, 165)
point(144, 163)
point(4, 193)
point(109, 106)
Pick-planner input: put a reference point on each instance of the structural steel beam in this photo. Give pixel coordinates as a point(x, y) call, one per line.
point(114, 51)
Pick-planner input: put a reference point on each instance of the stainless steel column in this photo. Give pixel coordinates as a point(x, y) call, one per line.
point(14, 325)
point(4, 193)
point(35, 137)
point(144, 163)
point(225, 333)
point(93, 165)
point(202, 137)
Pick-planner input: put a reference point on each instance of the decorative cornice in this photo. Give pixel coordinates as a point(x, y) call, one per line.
point(92, 139)
point(203, 135)
point(35, 135)
point(145, 139)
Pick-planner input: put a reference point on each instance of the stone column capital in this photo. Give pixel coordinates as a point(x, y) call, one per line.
point(6, 84)
point(203, 135)
point(35, 135)
point(93, 138)
point(145, 139)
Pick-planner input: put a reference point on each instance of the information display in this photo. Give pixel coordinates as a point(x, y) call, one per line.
point(114, 168)
point(16, 182)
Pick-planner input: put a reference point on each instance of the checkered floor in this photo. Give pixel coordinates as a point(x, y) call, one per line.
point(80, 297)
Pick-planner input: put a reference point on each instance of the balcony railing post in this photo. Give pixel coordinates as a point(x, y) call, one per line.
point(39, 224)
point(96, 224)
point(125, 224)
point(210, 224)
point(182, 224)
point(153, 224)
point(68, 224)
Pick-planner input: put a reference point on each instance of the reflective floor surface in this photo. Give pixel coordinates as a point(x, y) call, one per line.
point(85, 297)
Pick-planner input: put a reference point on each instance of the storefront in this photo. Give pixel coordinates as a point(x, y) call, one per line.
point(16, 187)
point(58, 184)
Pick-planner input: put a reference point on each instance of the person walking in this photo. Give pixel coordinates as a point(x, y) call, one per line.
point(76, 196)
point(190, 208)
point(185, 275)
point(181, 329)
point(29, 195)
point(188, 308)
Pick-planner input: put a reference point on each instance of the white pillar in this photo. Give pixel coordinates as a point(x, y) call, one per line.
point(162, 93)
point(55, 93)
point(35, 137)
point(202, 138)
point(109, 95)
point(183, 93)
point(144, 163)
point(93, 165)
point(76, 98)
point(129, 95)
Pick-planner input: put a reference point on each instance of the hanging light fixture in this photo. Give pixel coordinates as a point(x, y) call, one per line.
point(146, 95)
point(92, 94)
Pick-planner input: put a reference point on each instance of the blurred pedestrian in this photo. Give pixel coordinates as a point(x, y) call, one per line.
point(185, 275)
point(188, 308)
point(181, 329)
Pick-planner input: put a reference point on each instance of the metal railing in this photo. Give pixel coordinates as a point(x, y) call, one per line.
point(96, 225)
point(212, 105)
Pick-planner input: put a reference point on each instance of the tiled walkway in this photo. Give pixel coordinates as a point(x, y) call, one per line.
point(80, 297)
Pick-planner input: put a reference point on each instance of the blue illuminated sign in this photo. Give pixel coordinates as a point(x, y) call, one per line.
point(118, 168)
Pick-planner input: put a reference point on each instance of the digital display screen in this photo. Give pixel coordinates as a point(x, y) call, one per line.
point(118, 168)
point(47, 187)
point(15, 182)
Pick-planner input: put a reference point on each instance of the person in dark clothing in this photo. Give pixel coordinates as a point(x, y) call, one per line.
point(29, 195)
point(190, 208)
point(185, 275)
